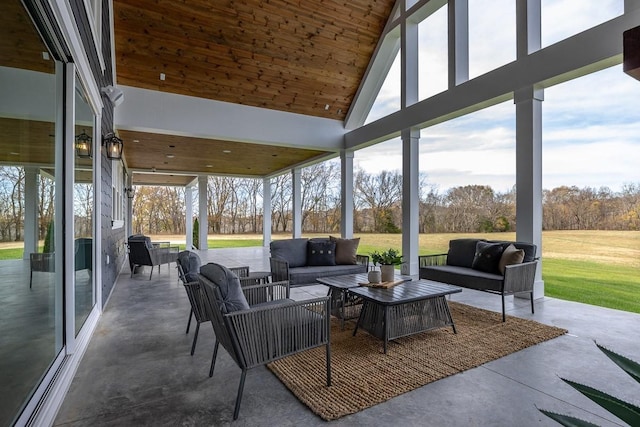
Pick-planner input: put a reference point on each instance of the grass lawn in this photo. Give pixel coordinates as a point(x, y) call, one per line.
point(594, 267)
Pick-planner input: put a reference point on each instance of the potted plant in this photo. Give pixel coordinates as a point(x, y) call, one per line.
point(388, 260)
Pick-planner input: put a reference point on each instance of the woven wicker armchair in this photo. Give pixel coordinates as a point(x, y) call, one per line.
point(266, 332)
point(144, 252)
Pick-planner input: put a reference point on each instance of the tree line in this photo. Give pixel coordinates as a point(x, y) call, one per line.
point(235, 205)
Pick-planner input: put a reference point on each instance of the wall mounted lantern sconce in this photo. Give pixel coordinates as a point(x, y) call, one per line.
point(84, 145)
point(113, 145)
point(130, 192)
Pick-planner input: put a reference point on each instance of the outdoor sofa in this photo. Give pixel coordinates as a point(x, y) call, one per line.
point(499, 267)
point(301, 261)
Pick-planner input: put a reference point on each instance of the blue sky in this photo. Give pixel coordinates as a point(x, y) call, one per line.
point(591, 125)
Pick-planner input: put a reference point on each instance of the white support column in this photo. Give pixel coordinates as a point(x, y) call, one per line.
point(458, 14)
point(528, 27)
point(529, 173)
point(346, 193)
point(30, 211)
point(203, 216)
point(297, 201)
point(410, 201)
point(188, 216)
point(266, 212)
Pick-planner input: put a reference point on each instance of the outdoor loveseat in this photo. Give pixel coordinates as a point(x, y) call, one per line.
point(499, 267)
point(301, 261)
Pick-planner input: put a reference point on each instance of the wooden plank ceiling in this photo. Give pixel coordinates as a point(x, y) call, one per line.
point(298, 56)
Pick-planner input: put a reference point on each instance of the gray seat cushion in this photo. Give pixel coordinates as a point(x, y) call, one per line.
point(463, 276)
point(232, 296)
point(308, 275)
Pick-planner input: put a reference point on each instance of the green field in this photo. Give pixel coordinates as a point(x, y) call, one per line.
point(594, 267)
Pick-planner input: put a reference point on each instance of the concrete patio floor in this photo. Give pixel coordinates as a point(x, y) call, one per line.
point(138, 371)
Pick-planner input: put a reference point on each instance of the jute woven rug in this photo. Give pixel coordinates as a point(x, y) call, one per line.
point(362, 376)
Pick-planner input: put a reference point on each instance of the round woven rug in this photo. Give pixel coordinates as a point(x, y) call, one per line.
point(363, 376)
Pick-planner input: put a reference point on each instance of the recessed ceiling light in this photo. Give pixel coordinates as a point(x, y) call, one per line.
point(170, 156)
point(136, 140)
point(226, 151)
point(162, 76)
point(13, 153)
point(326, 106)
point(209, 166)
point(45, 56)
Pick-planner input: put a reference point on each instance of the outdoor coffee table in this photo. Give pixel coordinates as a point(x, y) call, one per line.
point(342, 306)
point(405, 309)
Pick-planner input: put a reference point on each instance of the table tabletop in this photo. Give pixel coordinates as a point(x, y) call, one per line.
point(349, 281)
point(406, 292)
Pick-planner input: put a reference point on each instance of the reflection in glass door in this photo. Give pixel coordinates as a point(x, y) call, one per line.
point(31, 317)
point(83, 208)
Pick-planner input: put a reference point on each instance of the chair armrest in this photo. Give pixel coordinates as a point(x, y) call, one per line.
point(259, 293)
point(363, 259)
point(519, 277)
point(279, 269)
point(268, 333)
point(430, 260)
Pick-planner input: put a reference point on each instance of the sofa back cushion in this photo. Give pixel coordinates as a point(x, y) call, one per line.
point(461, 252)
point(232, 296)
point(321, 253)
point(294, 251)
point(346, 250)
point(487, 257)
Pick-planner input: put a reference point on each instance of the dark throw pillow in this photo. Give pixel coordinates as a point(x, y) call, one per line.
point(487, 257)
point(321, 253)
point(346, 250)
point(229, 285)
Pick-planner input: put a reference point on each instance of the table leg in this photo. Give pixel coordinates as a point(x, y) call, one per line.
point(362, 311)
point(385, 327)
point(450, 318)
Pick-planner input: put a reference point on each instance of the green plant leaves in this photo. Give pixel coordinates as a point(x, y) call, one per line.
point(627, 412)
point(629, 366)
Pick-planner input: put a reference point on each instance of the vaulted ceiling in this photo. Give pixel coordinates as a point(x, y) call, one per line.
point(298, 56)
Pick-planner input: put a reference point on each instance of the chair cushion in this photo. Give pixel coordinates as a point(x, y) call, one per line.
point(321, 253)
point(487, 257)
point(294, 251)
point(510, 256)
point(232, 296)
point(346, 250)
point(461, 252)
point(190, 263)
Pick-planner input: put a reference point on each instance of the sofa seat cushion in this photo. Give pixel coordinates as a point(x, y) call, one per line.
point(463, 276)
point(308, 275)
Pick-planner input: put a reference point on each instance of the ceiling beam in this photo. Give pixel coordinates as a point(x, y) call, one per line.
point(592, 50)
point(166, 113)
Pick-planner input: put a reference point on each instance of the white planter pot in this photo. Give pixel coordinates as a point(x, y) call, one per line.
point(388, 273)
point(374, 276)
